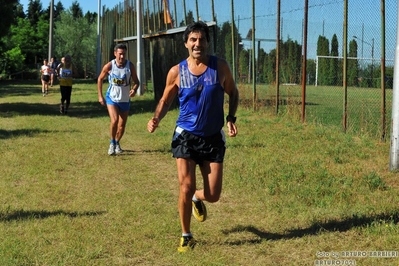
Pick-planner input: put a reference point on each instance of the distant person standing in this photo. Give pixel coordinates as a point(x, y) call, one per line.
point(60, 65)
point(123, 84)
point(45, 71)
point(53, 64)
point(65, 73)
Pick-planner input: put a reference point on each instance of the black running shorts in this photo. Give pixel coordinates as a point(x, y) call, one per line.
point(199, 149)
point(46, 78)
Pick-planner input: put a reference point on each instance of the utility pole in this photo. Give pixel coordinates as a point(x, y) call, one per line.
point(394, 149)
point(98, 40)
point(50, 34)
point(253, 56)
point(139, 67)
point(233, 46)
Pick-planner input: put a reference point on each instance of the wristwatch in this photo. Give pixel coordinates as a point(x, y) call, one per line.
point(231, 119)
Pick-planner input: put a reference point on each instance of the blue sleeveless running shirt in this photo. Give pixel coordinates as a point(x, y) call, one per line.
point(201, 100)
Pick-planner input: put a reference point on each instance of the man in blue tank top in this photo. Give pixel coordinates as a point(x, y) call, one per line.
point(200, 82)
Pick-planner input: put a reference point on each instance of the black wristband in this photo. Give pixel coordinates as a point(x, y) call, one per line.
point(231, 119)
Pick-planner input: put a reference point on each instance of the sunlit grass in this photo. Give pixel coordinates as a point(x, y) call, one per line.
point(291, 189)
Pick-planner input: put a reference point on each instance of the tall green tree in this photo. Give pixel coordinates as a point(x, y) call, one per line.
point(18, 11)
point(34, 12)
point(12, 59)
point(189, 19)
point(311, 71)
point(291, 61)
point(8, 12)
point(30, 34)
point(353, 65)
point(31, 39)
point(243, 69)
point(91, 17)
point(20, 34)
point(334, 68)
point(270, 67)
point(222, 41)
point(58, 8)
point(224, 36)
point(77, 37)
point(296, 66)
point(323, 66)
point(228, 51)
point(76, 10)
point(42, 36)
point(262, 56)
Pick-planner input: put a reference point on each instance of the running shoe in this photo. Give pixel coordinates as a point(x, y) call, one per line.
point(186, 243)
point(62, 109)
point(118, 149)
point(199, 210)
point(111, 149)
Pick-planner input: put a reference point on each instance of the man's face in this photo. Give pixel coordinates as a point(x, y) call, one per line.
point(197, 44)
point(120, 56)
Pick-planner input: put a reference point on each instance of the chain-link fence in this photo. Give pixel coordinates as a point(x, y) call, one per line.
point(362, 106)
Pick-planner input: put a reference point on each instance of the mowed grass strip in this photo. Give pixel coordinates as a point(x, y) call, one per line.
point(293, 193)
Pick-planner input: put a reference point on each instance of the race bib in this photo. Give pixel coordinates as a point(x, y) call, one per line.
point(115, 93)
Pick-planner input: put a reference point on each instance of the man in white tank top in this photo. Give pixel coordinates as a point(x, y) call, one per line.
point(123, 84)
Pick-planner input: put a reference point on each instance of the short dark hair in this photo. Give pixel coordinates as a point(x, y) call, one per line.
point(120, 46)
point(196, 27)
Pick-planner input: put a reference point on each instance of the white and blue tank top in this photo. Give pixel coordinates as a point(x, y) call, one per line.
point(119, 82)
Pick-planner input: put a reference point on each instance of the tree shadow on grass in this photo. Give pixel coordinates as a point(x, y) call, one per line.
point(19, 88)
point(77, 109)
point(20, 215)
point(164, 150)
point(316, 228)
point(8, 134)
point(94, 109)
point(83, 110)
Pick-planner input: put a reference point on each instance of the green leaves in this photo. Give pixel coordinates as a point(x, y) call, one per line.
point(77, 37)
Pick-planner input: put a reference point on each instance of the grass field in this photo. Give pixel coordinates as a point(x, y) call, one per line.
point(294, 193)
point(324, 105)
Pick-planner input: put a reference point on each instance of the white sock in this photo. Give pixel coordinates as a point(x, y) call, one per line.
point(186, 234)
point(194, 198)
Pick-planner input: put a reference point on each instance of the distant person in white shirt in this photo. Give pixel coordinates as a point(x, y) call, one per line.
point(45, 71)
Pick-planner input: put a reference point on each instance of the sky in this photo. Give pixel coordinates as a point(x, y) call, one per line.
point(89, 5)
point(325, 18)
